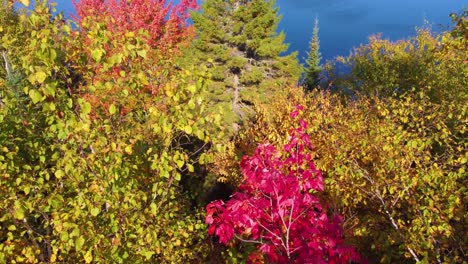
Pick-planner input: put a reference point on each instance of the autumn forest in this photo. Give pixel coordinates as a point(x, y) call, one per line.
point(142, 131)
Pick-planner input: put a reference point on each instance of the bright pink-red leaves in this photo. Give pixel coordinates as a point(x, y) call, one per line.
point(166, 25)
point(276, 208)
point(121, 36)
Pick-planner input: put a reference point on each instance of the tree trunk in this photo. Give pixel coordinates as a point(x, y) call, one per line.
point(236, 105)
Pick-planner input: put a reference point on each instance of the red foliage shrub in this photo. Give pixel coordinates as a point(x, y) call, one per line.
point(166, 24)
point(128, 46)
point(276, 208)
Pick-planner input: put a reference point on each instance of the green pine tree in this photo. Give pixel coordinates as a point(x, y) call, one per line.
point(237, 41)
point(313, 67)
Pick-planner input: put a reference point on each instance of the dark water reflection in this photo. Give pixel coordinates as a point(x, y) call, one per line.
point(345, 24)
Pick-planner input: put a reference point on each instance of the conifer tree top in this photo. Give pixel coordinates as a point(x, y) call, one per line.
point(238, 41)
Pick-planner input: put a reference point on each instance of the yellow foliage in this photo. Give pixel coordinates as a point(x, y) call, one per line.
point(435, 64)
point(79, 182)
point(392, 167)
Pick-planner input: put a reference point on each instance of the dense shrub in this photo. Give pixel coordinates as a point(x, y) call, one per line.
point(433, 63)
point(395, 169)
point(86, 182)
point(277, 209)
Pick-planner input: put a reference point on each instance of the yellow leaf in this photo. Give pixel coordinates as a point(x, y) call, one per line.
point(129, 149)
point(19, 213)
point(88, 257)
point(130, 34)
point(188, 129)
point(112, 109)
point(40, 76)
point(24, 2)
point(95, 211)
point(178, 242)
point(59, 174)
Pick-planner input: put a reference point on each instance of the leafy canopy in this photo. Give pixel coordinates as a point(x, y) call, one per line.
point(165, 25)
point(392, 166)
point(96, 181)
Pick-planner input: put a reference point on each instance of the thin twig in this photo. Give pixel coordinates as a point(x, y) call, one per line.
point(248, 241)
point(7, 65)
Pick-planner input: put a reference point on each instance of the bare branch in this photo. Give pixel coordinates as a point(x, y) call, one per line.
point(6, 63)
point(248, 240)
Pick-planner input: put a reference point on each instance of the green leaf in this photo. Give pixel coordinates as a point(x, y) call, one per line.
point(97, 54)
point(40, 76)
point(19, 212)
point(153, 208)
point(142, 53)
point(188, 129)
point(190, 168)
point(59, 174)
point(88, 257)
point(95, 211)
point(86, 108)
point(35, 96)
point(64, 236)
point(180, 163)
point(52, 106)
point(191, 104)
point(75, 232)
point(112, 109)
point(79, 242)
point(192, 89)
point(201, 134)
point(129, 149)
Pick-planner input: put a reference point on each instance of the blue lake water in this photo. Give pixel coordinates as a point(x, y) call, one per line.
point(345, 24)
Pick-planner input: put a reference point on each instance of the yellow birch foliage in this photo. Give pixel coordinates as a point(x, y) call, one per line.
point(96, 185)
point(394, 167)
point(435, 64)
